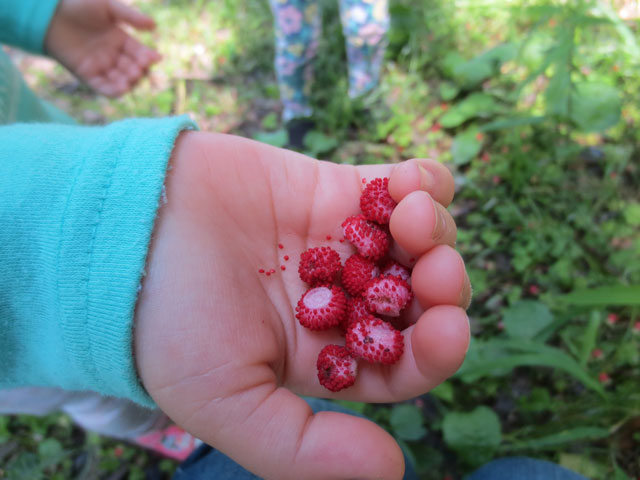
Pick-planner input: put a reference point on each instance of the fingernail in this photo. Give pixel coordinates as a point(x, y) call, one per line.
point(427, 182)
point(467, 293)
point(441, 223)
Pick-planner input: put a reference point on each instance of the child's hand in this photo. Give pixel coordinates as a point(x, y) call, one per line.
point(85, 36)
point(217, 344)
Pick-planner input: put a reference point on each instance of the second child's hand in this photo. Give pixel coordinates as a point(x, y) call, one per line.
point(87, 37)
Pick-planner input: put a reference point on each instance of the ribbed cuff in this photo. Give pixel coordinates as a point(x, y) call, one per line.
point(111, 249)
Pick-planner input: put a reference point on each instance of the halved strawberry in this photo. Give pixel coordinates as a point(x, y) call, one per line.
point(357, 272)
point(321, 307)
point(397, 270)
point(375, 201)
point(337, 369)
point(375, 341)
point(370, 240)
point(319, 265)
point(387, 295)
point(356, 311)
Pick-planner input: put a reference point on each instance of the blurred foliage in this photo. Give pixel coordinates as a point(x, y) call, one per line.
point(533, 104)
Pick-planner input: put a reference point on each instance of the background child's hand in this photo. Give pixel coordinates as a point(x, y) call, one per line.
point(87, 38)
point(217, 344)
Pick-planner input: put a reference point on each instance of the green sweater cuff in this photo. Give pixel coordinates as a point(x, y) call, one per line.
point(79, 205)
point(24, 23)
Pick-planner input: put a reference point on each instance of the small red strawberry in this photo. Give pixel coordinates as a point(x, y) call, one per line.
point(375, 201)
point(387, 295)
point(356, 311)
point(397, 270)
point(336, 368)
point(322, 307)
point(375, 341)
point(319, 265)
point(357, 272)
point(370, 240)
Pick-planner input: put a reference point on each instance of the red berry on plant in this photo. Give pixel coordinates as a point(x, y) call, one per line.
point(319, 265)
point(604, 378)
point(336, 368)
point(322, 307)
point(375, 340)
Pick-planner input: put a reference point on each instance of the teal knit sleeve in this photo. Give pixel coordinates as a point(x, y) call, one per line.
point(77, 208)
point(24, 23)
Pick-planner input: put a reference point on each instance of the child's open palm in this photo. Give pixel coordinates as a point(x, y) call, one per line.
point(217, 343)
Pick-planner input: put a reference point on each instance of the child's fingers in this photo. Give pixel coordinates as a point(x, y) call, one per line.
point(287, 441)
point(139, 53)
point(434, 349)
point(126, 14)
point(419, 223)
point(422, 174)
point(129, 68)
point(440, 278)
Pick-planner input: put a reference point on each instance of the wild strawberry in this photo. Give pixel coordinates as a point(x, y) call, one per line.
point(357, 272)
point(387, 295)
point(375, 201)
point(604, 378)
point(321, 307)
point(397, 270)
point(356, 311)
point(375, 341)
point(369, 239)
point(336, 368)
point(319, 265)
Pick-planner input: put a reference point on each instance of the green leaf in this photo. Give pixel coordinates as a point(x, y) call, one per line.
point(270, 121)
point(560, 438)
point(631, 214)
point(444, 391)
point(475, 105)
point(619, 295)
point(511, 122)
point(526, 318)
point(49, 448)
point(558, 92)
point(619, 474)
point(465, 147)
point(448, 91)
point(468, 74)
point(474, 435)
point(498, 357)
point(589, 338)
point(406, 422)
point(595, 106)
point(277, 139)
point(582, 464)
point(317, 143)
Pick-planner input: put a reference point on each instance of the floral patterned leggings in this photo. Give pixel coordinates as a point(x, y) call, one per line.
point(297, 27)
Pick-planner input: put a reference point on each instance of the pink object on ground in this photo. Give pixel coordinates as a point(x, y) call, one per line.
point(171, 442)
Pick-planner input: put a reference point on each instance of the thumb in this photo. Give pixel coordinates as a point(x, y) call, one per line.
point(277, 436)
point(126, 14)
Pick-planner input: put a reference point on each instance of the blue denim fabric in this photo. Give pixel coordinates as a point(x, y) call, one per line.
point(523, 468)
point(208, 463)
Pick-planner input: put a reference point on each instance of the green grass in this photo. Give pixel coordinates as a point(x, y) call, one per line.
point(547, 170)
